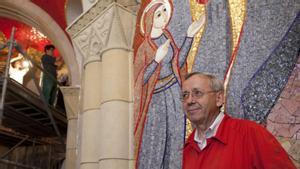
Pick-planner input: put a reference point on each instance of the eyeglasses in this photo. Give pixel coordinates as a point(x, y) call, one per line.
point(197, 94)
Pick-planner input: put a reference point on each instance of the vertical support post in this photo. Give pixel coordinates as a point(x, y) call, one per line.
point(6, 76)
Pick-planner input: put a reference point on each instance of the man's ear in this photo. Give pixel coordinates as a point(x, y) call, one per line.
point(220, 98)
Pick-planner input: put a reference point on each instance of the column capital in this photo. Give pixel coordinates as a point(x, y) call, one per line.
point(101, 28)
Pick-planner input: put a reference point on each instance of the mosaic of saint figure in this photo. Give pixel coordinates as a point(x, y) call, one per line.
point(159, 64)
point(253, 45)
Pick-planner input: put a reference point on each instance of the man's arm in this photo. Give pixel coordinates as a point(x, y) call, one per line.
point(59, 62)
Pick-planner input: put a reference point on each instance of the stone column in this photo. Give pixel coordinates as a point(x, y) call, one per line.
point(115, 110)
point(71, 100)
point(103, 37)
point(90, 117)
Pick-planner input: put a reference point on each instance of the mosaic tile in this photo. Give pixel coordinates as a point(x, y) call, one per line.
point(266, 26)
point(263, 89)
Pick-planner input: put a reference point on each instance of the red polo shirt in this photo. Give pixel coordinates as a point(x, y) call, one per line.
point(238, 144)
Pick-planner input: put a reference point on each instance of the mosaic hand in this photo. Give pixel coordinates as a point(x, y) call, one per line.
point(195, 27)
point(162, 51)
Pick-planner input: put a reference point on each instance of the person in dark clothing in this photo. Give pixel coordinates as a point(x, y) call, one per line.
point(49, 85)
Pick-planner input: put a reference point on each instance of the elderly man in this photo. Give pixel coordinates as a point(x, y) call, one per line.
point(220, 141)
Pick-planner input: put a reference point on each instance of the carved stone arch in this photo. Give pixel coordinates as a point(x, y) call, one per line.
point(27, 12)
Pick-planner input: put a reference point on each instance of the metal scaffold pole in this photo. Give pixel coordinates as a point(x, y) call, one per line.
point(12, 44)
point(10, 47)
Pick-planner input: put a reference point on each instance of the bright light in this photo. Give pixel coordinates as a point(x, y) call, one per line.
point(36, 34)
point(26, 64)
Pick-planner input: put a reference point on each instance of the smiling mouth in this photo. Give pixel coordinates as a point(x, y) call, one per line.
point(194, 109)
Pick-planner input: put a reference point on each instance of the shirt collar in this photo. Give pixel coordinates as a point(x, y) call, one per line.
point(220, 135)
point(211, 131)
point(222, 132)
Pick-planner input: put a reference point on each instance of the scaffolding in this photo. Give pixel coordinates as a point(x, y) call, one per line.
point(31, 131)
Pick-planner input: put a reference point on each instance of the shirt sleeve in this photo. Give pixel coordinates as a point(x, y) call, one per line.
point(267, 151)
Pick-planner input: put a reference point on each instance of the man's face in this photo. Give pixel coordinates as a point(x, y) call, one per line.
point(50, 51)
point(200, 102)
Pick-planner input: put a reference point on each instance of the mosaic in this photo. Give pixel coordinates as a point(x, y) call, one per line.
point(162, 42)
point(267, 23)
point(261, 93)
point(252, 45)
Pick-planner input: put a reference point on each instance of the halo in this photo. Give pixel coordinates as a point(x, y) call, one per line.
point(150, 5)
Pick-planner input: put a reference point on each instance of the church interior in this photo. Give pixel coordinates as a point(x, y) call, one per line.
point(92, 124)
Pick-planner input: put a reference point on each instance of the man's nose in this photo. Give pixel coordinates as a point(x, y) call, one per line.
point(190, 99)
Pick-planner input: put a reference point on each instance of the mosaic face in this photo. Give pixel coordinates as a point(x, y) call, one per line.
point(161, 17)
